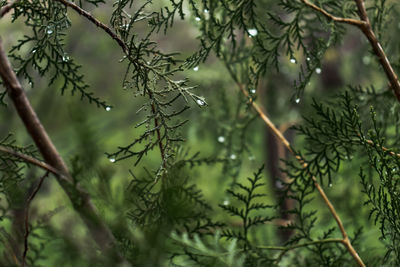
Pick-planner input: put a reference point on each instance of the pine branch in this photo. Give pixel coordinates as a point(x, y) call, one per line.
point(345, 241)
point(80, 199)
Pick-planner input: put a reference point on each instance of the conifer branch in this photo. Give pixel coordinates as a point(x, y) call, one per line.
point(125, 49)
point(80, 199)
point(26, 219)
point(354, 22)
point(385, 149)
point(345, 241)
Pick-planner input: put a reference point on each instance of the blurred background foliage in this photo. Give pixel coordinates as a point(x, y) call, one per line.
point(83, 133)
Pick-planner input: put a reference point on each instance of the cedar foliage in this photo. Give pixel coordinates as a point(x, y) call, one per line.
point(163, 218)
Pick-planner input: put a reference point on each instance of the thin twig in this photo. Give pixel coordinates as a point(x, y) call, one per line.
point(355, 22)
point(29, 159)
point(96, 22)
point(26, 219)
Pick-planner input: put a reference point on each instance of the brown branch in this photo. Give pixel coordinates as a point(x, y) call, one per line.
point(26, 219)
point(285, 142)
point(96, 22)
point(378, 50)
point(7, 8)
point(354, 22)
point(387, 150)
point(362, 11)
point(365, 26)
point(31, 160)
point(79, 198)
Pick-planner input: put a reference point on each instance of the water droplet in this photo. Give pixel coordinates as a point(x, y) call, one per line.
point(330, 185)
point(297, 100)
point(197, 19)
point(233, 156)
point(49, 30)
point(30, 84)
point(200, 102)
point(226, 202)
point(366, 60)
point(33, 51)
point(124, 26)
point(196, 68)
point(221, 139)
point(108, 108)
point(252, 158)
point(308, 59)
point(318, 70)
point(253, 32)
point(206, 11)
point(253, 91)
point(293, 60)
point(112, 160)
point(65, 58)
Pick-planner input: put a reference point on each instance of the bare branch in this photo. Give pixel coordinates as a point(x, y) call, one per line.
point(354, 22)
point(31, 160)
